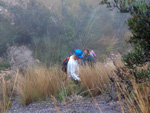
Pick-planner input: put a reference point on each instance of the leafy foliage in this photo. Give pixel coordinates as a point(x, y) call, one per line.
point(143, 74)
point(4, 64)
point(124, 6)
point(139, 24)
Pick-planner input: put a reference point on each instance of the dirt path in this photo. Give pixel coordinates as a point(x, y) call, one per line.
point(84, 106)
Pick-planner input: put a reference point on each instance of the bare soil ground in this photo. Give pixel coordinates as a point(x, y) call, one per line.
point(86, 105)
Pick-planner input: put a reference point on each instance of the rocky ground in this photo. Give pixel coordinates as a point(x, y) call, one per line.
point(84, 106)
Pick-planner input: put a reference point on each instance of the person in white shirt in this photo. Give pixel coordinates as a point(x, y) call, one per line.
point(73, 66)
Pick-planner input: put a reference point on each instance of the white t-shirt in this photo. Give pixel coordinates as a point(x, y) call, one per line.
point(73, 69)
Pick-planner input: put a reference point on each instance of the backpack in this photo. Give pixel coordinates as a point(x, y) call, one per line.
point(92, 53)
point(64, 64)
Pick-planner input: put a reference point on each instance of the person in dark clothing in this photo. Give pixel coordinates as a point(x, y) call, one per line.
point(87, 58)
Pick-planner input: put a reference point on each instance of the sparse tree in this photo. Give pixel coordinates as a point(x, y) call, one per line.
point(124, 6)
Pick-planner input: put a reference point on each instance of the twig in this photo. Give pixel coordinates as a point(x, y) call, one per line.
point(12, 91)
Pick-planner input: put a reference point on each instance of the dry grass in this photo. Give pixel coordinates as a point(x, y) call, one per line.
point(39, 83)
point(7, 88)
point(142, 96)
point(42, 82)
point(95, 78)
point(138, 100)
point(132, 95)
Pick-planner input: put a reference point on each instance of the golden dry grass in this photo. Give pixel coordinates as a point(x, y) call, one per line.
point(95, 78)
point(7, 88)
point(138, 100)
point(41, 82)
point(136, 95)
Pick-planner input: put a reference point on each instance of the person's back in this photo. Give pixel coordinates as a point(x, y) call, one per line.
point(73, 68)
point(93, 54)
point(87, 58)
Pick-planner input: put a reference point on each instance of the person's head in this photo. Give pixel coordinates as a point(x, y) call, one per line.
point(86, 51)
point(78, 54)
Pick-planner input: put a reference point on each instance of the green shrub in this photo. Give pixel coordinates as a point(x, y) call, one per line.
point(4, 64)
point(139, 25)
point(70, 89)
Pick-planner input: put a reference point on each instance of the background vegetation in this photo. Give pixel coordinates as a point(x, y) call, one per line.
point(53, 35)
point(54, 32)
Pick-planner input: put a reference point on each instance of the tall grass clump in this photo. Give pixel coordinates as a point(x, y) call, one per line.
point(96, 78)
point(3, 95)
point(39, 83)
point(136, 100)
point(7, 88)
point(133, 94)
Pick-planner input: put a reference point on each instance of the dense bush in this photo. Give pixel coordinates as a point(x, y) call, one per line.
point(139, 24)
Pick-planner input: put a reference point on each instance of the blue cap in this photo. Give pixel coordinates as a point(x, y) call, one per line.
point(78, 53)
